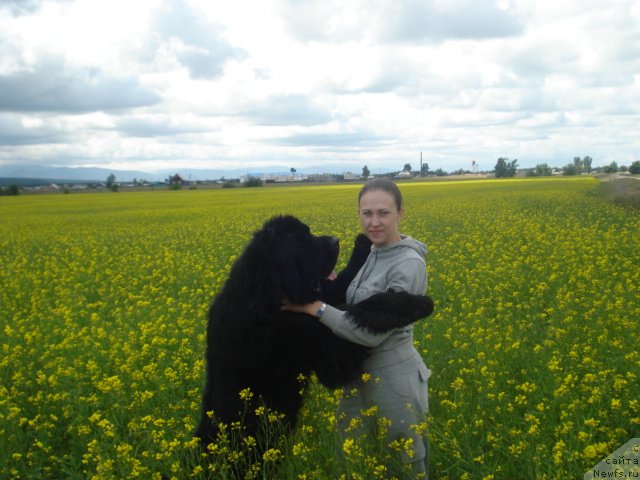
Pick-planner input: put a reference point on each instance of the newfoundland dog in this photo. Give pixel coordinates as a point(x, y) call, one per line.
point(252, 344)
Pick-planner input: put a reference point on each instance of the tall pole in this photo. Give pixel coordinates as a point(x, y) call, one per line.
point(421, 171)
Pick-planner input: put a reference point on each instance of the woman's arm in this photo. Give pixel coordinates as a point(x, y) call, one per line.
point(340, 324)
point(338, 321)
point(408, 276)
point(308, 308)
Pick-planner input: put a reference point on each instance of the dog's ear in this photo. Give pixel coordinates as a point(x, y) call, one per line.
point(274, 272)
point(267, 291)
point(286, 267)
point(260, 276)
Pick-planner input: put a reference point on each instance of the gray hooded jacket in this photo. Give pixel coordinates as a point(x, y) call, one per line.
point(399, 266)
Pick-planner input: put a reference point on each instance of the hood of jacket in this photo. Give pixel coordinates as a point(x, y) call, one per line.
point(405, 242)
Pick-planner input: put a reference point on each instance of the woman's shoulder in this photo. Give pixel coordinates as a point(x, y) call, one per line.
point(409, 250)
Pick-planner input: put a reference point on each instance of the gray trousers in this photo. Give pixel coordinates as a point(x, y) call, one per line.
point(400, 394)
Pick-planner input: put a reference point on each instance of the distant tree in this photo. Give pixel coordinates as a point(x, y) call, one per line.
point(582, 165)
point(111, 183)
point(577, 163)
point(612, 168)
point(635, 168)
point(425, 169)
point(12, 189)
point(541, 170)
point(293, 170)
point(253, 182)
point(570, 169)
point(505, 169)
point(365, 172)
point(407, 167)
point(440, 173)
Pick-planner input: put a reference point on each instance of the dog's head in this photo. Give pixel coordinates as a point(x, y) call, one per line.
point(289, 260)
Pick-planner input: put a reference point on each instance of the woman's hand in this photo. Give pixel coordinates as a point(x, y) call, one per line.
point(307, 308)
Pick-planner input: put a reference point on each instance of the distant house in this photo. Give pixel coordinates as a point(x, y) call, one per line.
point(321, 177)
point(177, 181)
point(276, 178)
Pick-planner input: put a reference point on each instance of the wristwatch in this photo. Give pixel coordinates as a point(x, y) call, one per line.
point(321, 310)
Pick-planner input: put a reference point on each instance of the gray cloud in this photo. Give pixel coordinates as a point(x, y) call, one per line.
point(20, 7)
point(417, 20)
point(393, 21)
point(162, 126)
point(204, 50)
point(367, 80)
point(14, 133)
point(203, 64)
point(52, 88)
point(285, 110)
point(319, 20)
point(329, 140)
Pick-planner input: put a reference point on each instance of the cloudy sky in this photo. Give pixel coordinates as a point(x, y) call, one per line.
point(155, 84)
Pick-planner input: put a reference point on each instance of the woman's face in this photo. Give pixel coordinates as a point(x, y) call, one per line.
point(380, 217)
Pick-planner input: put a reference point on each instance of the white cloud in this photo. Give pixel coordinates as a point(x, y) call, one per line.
point(200, 82)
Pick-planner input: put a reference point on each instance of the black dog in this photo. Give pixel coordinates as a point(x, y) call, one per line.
point(253, 344)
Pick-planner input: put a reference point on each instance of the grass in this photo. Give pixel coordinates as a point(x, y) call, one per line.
point(533, 345)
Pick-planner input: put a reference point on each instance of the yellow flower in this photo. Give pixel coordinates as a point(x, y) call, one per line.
point(349, 446)
point(299, 449)
point(272, 455)
point(110, 294)
point(370, 412)
point(457, 384)
point(596, 451)
point(246, 394)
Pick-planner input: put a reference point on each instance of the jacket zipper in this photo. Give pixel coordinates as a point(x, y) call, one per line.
point(364, 272)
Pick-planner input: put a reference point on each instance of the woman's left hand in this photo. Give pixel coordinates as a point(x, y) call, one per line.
point(308, 308)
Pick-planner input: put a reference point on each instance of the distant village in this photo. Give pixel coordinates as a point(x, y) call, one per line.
point(177, 182)
point(504, 168)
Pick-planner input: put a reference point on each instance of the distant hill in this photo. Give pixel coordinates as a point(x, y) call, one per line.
point(40, 174)
point(31, 182)
point(68, 174)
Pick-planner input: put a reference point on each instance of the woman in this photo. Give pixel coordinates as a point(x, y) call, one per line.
point(395, 379)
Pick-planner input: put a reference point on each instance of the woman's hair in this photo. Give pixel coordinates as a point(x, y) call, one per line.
point(385, 184)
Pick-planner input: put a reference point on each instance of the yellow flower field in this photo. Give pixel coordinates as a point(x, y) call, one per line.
point(533, 346)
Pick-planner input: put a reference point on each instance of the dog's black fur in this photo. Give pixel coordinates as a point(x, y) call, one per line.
point(252, 343)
